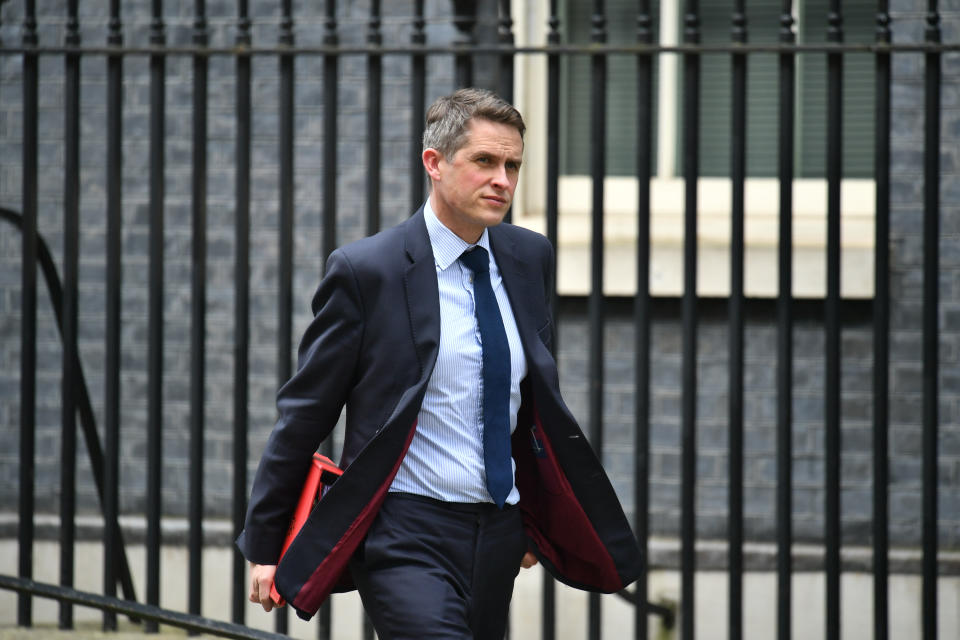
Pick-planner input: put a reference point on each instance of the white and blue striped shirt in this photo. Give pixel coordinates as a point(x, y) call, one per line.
point(445, 458)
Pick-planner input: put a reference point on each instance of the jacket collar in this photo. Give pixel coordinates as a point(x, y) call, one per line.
point(520, 280)
point(423, 296)
point(422, 293)
point(513, 267)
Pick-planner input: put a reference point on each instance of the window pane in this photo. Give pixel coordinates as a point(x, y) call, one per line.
point(763, 88)
point(715, 90)
point(858, 91)
point(621, 90)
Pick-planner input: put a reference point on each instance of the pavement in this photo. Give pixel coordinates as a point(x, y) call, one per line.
point(91, 632)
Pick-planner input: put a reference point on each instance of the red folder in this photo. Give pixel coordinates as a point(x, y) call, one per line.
point(323, 473)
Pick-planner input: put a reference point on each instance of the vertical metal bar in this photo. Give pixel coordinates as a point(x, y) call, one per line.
point(330, 136)
point(553, 145)
point(198, 298)
point(505, 69)
point(598, 132)
point(787, 72)
point(28, 314)
point(548, 616)
point(881, 331)
point(931, 303)
point(464, 19)
point(155, 309)
point(418, 89)
point(330, 133)
point(70, 317)
point(691, 128)
point(368, 631)
point(285, 284)
point(738, 171)
point(241, 311)
point(505, 37)
point(642, 313)
point(832, 322)
point(111, 402)
point(374, 113)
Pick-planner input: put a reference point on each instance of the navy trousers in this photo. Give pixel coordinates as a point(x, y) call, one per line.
point(438, 570)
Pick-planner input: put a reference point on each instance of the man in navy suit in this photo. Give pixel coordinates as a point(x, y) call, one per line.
point(461, 461)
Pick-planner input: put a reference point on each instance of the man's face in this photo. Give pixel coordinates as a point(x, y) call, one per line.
point(473, 189)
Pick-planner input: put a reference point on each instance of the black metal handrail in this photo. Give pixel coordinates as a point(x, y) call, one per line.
point(84, 408)
point(667, 613)
point(189, 622)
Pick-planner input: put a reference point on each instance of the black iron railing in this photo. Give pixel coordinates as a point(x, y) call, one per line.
point(462, 52)
point(135, 610)
point(116, 559)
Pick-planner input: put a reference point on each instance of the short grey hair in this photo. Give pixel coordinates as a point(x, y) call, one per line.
point(447, 118)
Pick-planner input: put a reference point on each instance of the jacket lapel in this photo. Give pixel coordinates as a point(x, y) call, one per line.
point(519, 281)
point(422, 293)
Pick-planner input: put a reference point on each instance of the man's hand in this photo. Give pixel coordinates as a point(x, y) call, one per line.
point(528, 560)
point(261, 579)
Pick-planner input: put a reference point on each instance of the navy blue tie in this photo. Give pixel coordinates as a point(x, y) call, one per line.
point(496, 379)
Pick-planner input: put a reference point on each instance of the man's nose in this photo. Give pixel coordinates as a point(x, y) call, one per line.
point(500, 179)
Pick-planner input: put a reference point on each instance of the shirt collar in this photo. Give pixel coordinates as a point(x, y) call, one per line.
point(448, 246)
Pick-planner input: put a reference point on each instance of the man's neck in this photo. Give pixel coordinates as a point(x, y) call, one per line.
point(469, 233)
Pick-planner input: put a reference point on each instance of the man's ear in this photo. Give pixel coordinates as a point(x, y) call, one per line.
point(431, 162)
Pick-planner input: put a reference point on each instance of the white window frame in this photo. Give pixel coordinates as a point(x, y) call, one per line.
point(667, 203)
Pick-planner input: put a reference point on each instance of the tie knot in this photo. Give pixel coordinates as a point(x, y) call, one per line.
point(476, 260)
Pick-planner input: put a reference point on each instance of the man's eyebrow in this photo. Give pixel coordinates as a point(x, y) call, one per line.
point(479, 153)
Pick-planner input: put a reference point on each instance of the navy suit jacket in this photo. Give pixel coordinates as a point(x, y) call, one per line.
point(372, 346)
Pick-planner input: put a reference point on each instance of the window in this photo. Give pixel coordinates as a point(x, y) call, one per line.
point(763, 88)
point(714, 186)
point(621, 93)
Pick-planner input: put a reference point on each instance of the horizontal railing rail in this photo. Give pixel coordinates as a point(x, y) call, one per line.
point(136, 610)
point(410, 50)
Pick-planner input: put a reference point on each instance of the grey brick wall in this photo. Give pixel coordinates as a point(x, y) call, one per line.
point(760, 399)
point(760, 421)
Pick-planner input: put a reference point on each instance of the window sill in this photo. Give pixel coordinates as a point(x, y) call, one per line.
point(714, 196)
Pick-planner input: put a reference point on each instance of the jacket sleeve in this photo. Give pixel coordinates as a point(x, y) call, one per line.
point(309, 405)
